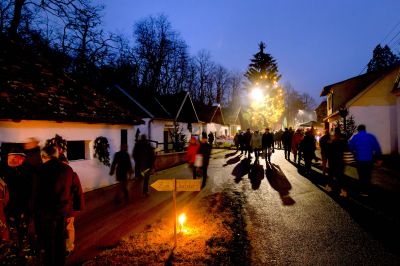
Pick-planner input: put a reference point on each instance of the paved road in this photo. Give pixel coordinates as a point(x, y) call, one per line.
point(290, 220)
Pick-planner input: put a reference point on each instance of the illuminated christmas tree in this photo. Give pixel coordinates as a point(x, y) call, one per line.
point(267, 100)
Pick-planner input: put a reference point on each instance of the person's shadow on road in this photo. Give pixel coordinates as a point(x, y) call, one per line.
point(256, 174)
point(241, 169)
point(230, 154)
point(279, 182)
point(233, 160)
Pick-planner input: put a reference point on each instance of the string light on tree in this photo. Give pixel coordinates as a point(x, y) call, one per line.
point(267, 105)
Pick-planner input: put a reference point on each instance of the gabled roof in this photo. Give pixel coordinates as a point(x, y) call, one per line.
point(32, 89)
point(231, 115)
point(210, 114)
point(180, 106)
point(356, 85)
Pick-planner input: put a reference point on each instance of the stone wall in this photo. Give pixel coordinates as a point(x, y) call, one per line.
point(167, 160)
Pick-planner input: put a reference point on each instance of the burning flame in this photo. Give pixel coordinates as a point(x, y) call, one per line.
point(181, 219)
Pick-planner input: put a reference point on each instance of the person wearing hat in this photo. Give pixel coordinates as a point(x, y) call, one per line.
point(19, 180)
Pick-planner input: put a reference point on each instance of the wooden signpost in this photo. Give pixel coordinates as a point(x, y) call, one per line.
point(176, 185)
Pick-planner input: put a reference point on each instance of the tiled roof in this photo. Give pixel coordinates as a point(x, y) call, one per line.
point(34, 90)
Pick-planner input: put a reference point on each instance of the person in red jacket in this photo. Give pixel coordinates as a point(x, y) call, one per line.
point(296, 139)
point(191, 154)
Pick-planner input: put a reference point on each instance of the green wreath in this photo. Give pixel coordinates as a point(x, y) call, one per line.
point(57, 141)
point(101, 150)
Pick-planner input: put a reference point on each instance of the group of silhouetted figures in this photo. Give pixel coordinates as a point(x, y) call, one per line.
point(40, 195)
point(361, 150)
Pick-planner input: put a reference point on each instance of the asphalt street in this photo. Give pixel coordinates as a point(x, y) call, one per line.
point(290, 219)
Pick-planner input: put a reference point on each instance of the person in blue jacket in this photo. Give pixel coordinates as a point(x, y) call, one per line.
point(366, 149)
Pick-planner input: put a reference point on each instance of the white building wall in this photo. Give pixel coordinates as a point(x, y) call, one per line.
point(218, 128)
point(380, 121)
point(92, 172)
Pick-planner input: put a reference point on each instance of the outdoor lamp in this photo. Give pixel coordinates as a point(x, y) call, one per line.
point(181, 219)
point(256, 94)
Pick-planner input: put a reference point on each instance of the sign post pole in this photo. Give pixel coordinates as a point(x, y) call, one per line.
point(174, 202)
point(176, 185)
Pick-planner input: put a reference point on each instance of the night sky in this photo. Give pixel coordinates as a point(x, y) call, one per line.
point(315, 42)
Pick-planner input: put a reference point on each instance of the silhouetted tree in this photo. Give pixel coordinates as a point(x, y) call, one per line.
point(157, 48)
point(221, 78)
point(202, 92)
point(382, 58)
point(262, 66)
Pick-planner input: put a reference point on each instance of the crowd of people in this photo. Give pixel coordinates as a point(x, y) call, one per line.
point(40, 196)
point(302, 145)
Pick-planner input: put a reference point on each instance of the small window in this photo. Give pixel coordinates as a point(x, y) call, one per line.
point(124, 136)
point(77, 150)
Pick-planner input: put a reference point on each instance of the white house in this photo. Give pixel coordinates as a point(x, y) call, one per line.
point(37, 102)
point(373, 100)
point(163, 115)
point(233, 119)
point(212, 119)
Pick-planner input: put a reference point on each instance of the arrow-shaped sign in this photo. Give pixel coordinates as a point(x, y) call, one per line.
point(181, 185)
point(177, 185)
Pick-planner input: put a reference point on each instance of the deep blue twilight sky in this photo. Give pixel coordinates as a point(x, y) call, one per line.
point(315, 42)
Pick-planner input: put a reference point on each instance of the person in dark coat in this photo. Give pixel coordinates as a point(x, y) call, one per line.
point(267, 144)
point(335, 150)
point(122, 167)
point(241, 142)
point(19, 179)
point(236, 141)
point(307, 148)
point(211, 138)
point(323, 144)
point(144, 156)
point(287, 142)
point(52, 204)
point(205, 151)
point(247, 143)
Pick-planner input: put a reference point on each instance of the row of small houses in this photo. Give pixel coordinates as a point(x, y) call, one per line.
point(37, 102)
